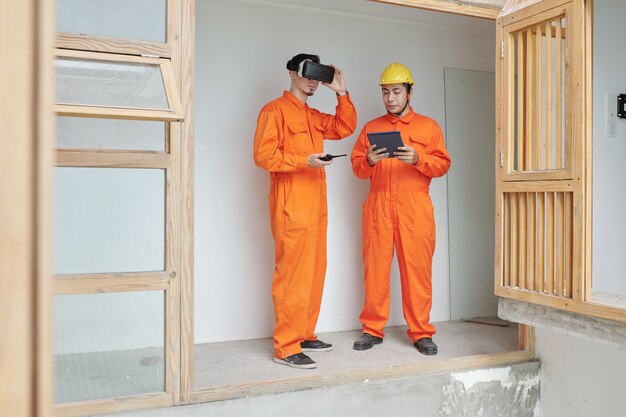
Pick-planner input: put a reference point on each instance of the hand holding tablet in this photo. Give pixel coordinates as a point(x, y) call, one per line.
point(389, 140)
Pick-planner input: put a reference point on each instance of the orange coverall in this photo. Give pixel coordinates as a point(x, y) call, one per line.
point(287, 132)
point(398, 211)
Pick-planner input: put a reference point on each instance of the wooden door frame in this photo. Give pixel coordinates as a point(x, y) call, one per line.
point(26, 33)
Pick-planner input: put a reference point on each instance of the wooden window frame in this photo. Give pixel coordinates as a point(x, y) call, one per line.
point(581, 302)
point(174, 113)
point(175, 58)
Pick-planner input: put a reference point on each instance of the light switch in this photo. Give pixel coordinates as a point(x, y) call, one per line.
point(611, 129)
point(610, 115)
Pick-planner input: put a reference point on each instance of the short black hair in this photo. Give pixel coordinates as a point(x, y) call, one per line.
point(294, 63)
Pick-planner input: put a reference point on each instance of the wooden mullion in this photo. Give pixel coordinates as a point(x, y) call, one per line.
point(506, 280)
point(82, 42)
point(174, 206)
point(514, 243)
point(113, 405)
point(112, 159)
point(559, 96)
point(550, 239)
point(110, 282)
point(538, 103)
point(548, 101)
point(530, 100)
point(585, 289)
point(568, 245)
point(559, 244)
point(523, 219)
point(530, 249)
point(540, 248)
point(521, 99)
point(538, 186)
point(186, 270)
point(72, 110)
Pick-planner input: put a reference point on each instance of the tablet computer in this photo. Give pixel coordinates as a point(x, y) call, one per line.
point(390, 140)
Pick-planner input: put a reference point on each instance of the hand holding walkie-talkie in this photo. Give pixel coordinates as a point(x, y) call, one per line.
point(329, 157)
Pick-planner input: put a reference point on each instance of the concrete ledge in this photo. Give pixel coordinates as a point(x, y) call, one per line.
point(602, 331)
point(507, 391)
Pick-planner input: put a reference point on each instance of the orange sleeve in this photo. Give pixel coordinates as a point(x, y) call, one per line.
point(268, 152)
point(436, 162)
point(343, 123)
point(360, 167)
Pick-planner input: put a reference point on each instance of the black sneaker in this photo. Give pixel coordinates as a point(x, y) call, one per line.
point(366, 341)
point(299, 360)
point(426, 346)
point(315, 346)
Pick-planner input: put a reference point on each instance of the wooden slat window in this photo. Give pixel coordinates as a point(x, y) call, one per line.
point(540, 259)
point(542, 173)
point(539, 97)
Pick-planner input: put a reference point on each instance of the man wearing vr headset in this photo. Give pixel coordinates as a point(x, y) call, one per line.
point(289, 144)
point(398, 212)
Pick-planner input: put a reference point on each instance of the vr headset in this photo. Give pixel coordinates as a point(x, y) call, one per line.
point(320, 72)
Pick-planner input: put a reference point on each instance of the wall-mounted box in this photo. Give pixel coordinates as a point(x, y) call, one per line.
point(621, 106)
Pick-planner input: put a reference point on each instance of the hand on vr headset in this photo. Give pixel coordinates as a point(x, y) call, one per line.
point(329, 75)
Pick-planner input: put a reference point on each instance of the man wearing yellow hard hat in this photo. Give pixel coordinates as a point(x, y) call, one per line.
point(398, 212)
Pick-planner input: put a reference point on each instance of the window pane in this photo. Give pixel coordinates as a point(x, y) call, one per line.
point(89, 133)
point(108, 345)
point(126, 19)
point(109, 220)
point(110, 84)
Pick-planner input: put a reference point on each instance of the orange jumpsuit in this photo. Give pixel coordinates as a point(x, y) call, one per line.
point(398, 211)
point(287, 132)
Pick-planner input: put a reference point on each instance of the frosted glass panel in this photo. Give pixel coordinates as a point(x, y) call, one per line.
point(109, 84)
point(126, 19)
point(83, 132)
point(108, 345)
point(109, 220)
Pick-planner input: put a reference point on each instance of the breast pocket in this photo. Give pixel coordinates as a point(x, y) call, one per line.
point(419, 143)
point(298, 139)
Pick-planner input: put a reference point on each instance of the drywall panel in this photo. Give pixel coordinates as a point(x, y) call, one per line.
point(242, 49)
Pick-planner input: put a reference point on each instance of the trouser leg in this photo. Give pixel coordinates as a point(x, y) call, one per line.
point(415, 243)
point(377, 257)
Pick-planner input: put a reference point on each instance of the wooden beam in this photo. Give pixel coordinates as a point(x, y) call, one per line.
point(448, 6)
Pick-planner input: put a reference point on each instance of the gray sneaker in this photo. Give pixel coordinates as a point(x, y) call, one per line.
point(366, 341)
point(299, 360)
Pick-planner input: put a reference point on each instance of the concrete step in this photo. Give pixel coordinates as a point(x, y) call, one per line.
point(503, 391)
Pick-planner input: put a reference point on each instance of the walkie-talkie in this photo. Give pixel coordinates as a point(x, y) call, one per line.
point(329, 157)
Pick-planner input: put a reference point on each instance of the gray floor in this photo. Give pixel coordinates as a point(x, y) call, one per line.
point(96, 375)
point(242, 362)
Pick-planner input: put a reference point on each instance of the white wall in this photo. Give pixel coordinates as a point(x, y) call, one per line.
point(242, 48)
point(609, 169)
point(579, 378)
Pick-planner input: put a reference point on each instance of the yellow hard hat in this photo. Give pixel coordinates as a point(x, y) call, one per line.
point(396, 73)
